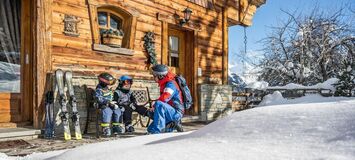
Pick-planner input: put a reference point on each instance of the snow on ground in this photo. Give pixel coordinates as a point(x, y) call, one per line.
point(311, 127)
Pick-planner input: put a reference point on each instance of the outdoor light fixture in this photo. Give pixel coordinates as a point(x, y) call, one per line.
point(187, 15)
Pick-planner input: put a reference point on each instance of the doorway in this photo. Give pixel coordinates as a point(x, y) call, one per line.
point(179, 55)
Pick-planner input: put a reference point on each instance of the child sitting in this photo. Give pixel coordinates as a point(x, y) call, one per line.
point(124, 98)
point(109, 109)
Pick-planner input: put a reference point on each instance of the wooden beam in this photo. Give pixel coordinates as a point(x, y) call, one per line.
point(225, 47)
point(164, 42)
point(93, 23)
point(196, 109)
point(41, 62)
point(26, 65)
point(132, 32)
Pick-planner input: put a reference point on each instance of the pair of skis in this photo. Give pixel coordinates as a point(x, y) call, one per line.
point(64, 115)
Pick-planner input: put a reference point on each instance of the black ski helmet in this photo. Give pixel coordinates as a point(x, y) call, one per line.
point(106, 78)
point(160, 70)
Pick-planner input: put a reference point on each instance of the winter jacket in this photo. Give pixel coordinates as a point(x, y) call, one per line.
point(103, 95)
point(170, 92)
point(123, 99)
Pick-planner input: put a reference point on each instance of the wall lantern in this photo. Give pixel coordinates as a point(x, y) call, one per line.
point(187, 15)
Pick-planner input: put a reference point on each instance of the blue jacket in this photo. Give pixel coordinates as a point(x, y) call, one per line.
point(103, 95)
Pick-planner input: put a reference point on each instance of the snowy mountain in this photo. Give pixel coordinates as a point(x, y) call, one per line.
point(237, 82)
point(311, 127)
point(244, 65)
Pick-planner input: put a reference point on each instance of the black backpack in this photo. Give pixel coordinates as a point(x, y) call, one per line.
point(186, 94)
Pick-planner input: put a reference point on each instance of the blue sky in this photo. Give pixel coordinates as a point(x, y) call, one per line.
point(270, 14)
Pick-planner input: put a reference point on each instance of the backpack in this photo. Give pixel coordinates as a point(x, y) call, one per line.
point(186, 94)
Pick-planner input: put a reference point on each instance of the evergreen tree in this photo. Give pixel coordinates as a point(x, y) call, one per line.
point(346, 83)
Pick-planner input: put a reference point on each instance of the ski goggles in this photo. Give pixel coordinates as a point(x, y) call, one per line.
point(108, 82)
point(128, 81)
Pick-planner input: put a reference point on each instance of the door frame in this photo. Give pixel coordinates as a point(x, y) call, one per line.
point(191, 60)
point(26, 60)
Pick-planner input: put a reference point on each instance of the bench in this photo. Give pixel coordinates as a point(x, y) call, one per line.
point(94, 113)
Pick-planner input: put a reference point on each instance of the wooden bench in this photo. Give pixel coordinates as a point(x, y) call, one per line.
point(94, 113)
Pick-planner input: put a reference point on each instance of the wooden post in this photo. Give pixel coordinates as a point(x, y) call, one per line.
point(194, 75)
point(164, 42)
point(225, 46)
point(41, 52)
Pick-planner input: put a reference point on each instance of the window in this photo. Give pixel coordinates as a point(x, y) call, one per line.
point(110, 28)
point(173, 51)
point(10, 46)
point(107, 20)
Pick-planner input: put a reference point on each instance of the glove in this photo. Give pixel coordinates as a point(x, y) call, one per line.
point(122, 109)
point(132, 106)
point(113, 105)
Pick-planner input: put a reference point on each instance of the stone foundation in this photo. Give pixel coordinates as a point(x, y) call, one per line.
point(215, 101)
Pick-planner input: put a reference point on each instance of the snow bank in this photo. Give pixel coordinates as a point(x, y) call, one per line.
point(277, 99)
point(328, 84)
point(305, 130)
point(273, 99)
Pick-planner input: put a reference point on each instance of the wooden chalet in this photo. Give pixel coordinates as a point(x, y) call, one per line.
point(89, 37)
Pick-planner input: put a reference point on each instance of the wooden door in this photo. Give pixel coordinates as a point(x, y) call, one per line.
point(180, 58)
point(176, 51)
point(15, 61)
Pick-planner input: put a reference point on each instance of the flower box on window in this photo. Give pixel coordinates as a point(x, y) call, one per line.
point(112, 38)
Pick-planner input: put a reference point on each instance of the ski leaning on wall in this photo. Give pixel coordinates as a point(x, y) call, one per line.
point(72, 101)
point(64, 115)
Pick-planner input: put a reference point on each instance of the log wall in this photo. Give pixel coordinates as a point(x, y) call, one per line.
point(77, 54)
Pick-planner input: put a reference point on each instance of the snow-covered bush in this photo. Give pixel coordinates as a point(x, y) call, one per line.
point(308, 49)
point(346, 84)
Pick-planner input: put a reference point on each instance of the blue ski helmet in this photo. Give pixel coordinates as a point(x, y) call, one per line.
point(125, 78)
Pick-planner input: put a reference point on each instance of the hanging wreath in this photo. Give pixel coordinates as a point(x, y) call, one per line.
point(149, 46)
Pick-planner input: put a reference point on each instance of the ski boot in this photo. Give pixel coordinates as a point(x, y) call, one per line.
point(178, 127)
point(129, 128)
point(106, 131)
point(171, 126)
point(116, 129)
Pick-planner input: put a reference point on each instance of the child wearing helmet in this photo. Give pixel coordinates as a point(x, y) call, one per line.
point(109, 109)
point(123, 97)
